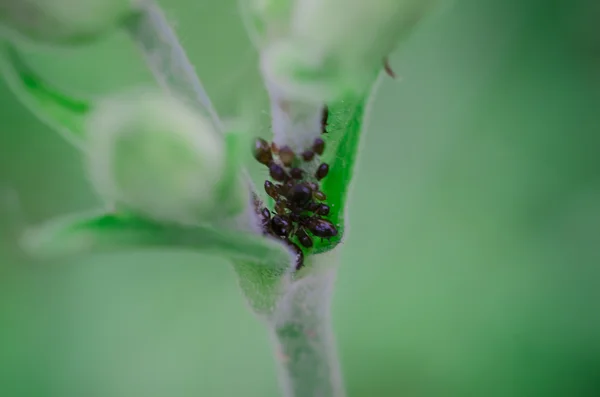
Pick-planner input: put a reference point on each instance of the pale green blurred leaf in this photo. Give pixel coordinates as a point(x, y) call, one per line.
point(63, 113)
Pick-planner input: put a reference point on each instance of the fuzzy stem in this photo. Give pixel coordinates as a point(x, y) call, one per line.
point(302, 333)
point(295, 123)
point(172, 69)
point(167, 60)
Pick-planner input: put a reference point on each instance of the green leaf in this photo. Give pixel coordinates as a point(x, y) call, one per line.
point(59, 111)
point(93, 233)
point(261, 264)
point(345, 131)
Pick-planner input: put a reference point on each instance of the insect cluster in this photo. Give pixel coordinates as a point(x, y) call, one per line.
point(300, 209)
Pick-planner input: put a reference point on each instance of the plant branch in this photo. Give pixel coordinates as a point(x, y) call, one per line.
point(302, 333)
point(168, 61)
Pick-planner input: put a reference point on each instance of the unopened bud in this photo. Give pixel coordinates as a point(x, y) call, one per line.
point(152, 154)
point(333, 47)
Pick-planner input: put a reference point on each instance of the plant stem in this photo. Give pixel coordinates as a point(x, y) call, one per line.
point(302, 333)
point(167, 60)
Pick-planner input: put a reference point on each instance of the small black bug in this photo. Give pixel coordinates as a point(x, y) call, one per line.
point(300, 195)
point(299, 255)
point(296, 173)
point(262, 151)
point(324, 118)
point(304, 238)
point(321, 227)
point(281, 226)
point(313, 186)
point(277, 172)
point(286, 155)
point(319, 146)
point(322, 171)
point(280, 207)
point(284, 188)
point(319, 196)
point(388, 69)
point(308, 155)
point(271, 190)
point(322, 209)
point(266, 214)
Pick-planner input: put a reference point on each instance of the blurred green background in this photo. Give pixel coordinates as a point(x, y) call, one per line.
point(473, 262)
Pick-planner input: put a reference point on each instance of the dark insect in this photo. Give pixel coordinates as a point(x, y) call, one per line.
point(277, 172)
point(281, 226)
point(308, 155)
point(312, 206)
point(296, 173)
point(319, 146)
point(319, 196)
point(324, 118)
point(274, 148)
point(300, 195)
point(304, 238)
point(388, 68)
point(322, 171)
point(321, 227)
point(265, 214)
point(313, 186)
point(299, 255)
point(280, 207)
point(284, 188)
point(262, 151)
point(286, 155)
point(322, 209)
point(271, 189)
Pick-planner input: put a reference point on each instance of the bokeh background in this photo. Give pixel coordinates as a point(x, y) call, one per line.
point(473, 262)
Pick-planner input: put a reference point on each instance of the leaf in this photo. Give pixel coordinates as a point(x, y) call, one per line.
point(59, 111)
point(343, 140)
point(261, 264)
point(94, 233)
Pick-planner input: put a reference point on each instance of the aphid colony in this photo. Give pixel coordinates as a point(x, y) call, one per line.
point(299, 210)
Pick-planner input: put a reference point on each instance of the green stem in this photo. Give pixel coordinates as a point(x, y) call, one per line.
point(303, 336)
point(167, 60)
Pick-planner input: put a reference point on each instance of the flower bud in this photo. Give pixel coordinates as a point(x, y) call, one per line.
point(152, 154)
point(64, 21)
point(334, 46)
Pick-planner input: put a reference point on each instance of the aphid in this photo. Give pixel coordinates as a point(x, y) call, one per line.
point(319, 195)
point(296, 173)
point(299, 195)
point(286, 155)
point(271, 190)
point(274, 148)
point(304, 238)
point(388, 68)
point(262, 151)
point(308, 155)
point(284, 188)
point(313, 186)
point(265, 214)
point(277, 172)
point(281, 226)
point(299, 255)
point(312, 206)
point(319, 146)
point(321, 227)
point(322, 209)
point(322, 171)
point(280, 207)
point(324, 118)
